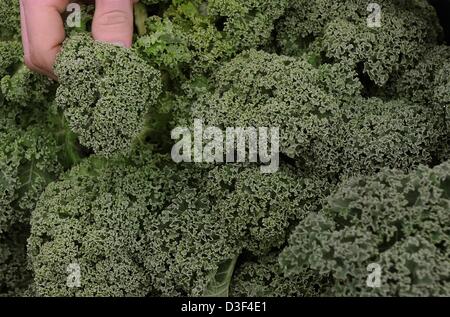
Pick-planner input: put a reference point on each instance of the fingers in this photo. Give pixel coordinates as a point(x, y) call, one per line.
point(42, 33)
point(113, 22)
point(43, 29)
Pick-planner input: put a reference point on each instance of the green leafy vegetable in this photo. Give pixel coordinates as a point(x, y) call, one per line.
point(92, 203)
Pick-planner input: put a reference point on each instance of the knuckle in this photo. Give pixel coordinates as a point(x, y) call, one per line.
point(113, 17)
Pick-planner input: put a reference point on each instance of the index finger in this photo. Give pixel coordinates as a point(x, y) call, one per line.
point(43, 32)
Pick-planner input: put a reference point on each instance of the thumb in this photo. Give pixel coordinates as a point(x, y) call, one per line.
point(113, 22)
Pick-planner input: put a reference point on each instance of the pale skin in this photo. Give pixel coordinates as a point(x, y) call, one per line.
point(43, 29)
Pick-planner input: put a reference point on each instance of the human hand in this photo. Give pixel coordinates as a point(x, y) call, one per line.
point(43, 29)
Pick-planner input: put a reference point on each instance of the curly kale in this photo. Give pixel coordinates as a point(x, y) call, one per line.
point(425, 82)
point(9, 20)
point(371, 134)
point(399, 221)
point(232, 209)
point(326, 126)
point(339, 30)
point(195, 36)
point(277, 91)
point(93, 218)
point(86, 181)
point(27, 165)
point(171, 228)
point(21, 91)
point(15, 277)
point(105, 92)
point(265, 278)
point(248, 23)
point(24, 87)
point(428, 83)
point(10, 56)
point(32, 151)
